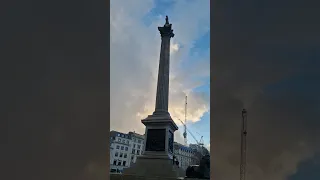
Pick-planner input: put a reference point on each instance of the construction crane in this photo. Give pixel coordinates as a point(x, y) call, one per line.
point(199, 143)
point(185, 122)
point(243, 158)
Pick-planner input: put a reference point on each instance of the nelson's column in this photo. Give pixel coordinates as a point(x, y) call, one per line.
point(156, 160)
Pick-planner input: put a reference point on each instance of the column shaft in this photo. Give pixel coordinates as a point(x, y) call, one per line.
point(162, 98)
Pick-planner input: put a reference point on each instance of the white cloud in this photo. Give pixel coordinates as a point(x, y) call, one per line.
point(208, 147)
point(174, 48)
point(135, 49)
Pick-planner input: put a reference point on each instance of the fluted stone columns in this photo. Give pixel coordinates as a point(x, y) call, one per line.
point(162, 98)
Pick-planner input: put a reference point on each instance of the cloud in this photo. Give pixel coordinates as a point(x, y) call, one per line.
point(259, 67)
point(208, 147)
point(174, 48)
point(135, 50)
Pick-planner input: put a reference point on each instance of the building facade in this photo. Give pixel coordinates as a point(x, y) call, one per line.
point(124, 149)
point(137, 142)
point(201, 149)
point(185, 155)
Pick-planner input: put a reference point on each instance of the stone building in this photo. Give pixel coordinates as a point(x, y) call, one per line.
point(185, 155)
point(137, 142)
point(124, 149)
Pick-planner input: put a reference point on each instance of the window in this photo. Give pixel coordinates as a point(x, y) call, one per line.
point(118, 146)
point(122, 148)
point(133, 151)
point(126, 148)
point(115, 162)
point(127, 142)
point(139, 141)
point(132, 157)
point(119, 139)
point(138, 152)
point(123, 141)
point(134, 145)
point(116, 154)
point(122, 135)
point(119, 163)
point(118, 135)
point(139, 146)
point(121, 154)
point(125, 155)
point(124, 163)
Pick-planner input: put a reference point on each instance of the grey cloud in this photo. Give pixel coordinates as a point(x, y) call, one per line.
point(255, 48)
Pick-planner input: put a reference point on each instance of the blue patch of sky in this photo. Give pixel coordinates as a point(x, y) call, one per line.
point(299, 83)
point(197, 55)
point(204, 79)
point(161, 7)
point(200, 128)
point(204, 88)
point(309, 169)
point(201, 45)
point(198, 52)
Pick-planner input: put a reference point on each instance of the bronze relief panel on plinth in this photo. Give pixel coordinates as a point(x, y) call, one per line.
point(156, 139)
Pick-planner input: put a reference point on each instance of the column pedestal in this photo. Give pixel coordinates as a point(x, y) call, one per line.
point(153, 165)
point(156, 160)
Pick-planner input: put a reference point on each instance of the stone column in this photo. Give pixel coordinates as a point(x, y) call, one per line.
point(162, 98)
point(156, 160)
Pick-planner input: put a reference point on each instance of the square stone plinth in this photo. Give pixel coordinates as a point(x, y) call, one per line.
point(155, 165)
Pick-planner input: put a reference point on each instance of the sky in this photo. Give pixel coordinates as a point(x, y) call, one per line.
point(134, 61)
point(265, 58)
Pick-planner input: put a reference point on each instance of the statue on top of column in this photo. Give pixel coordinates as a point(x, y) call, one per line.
point(166, 29)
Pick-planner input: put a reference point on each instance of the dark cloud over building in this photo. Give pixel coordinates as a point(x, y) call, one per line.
point(264, 58)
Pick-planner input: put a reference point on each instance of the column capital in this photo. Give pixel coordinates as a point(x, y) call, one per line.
point(166, 30)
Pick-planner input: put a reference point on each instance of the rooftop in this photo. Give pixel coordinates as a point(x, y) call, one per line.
point(134, 134)
point(126, 135)
point(182, 147)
